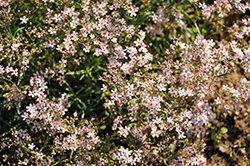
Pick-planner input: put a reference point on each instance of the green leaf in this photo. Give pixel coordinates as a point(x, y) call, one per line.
point(10, 34)
point(223, 74)
point(186, 36)
point(19, 29)
point(83, 114)
point(75, 72)
point(82, 77)
point(173, 133)
point(205, 23)
point(103, 127)
point(214, 128)
point(106, 113)
point(223, 130)
point(82, 103)
point(213, 136)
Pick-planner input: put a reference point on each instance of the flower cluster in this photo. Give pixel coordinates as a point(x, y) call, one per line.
point(116, 82)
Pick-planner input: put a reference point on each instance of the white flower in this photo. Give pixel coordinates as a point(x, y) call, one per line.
point(24, 20)
point(1, 47)
point(114, 40)
point(31, 146)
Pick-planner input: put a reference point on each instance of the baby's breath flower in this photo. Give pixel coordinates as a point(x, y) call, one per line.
point(24, 20)
point(1, 47)
point(31, 146)
point(227, 107)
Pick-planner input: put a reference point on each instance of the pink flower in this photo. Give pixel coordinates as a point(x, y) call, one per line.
point(227, 107)
point(57, 17)
point(19, 152)
point(31, 146)
point(218, 100)
point(104, 88)
point(124, 131)
point(25, 162)
point(40, 156)
point(1, 47)
point(52, 30)
point(20, 162)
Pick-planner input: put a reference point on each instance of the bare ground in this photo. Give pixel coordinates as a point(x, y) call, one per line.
point(233, 149)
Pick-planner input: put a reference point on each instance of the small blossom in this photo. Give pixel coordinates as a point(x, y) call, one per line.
point(114, 40)
point(1, 47)
point(31, 146)
point(24, 20)
point(5, 156)
point(52, 31)
point(218, 100)
point(227, 107)
point(104, 88)
point(40, 156)
point(25, 162)
point(19, 152)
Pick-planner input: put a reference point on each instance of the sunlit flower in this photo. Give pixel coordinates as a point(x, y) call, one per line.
point(31, 146)
point(24, 20)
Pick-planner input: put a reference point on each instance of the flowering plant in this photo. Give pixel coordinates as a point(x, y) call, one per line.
point(115, 82)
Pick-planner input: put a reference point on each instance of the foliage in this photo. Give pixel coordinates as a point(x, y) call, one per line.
point(116, 82)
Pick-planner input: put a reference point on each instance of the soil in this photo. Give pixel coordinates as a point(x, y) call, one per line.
point(233, 148)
